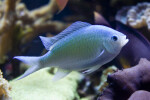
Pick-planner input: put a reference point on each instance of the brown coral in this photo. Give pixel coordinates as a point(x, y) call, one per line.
point(103, 79)
point(18, 25)
point(125, 82)
point(4, 88)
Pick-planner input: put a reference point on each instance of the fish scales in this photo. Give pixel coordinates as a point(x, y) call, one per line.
point(81, 46)
point(73, 49)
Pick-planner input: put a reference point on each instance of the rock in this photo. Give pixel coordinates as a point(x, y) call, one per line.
point(123, 83)
point(140, 95)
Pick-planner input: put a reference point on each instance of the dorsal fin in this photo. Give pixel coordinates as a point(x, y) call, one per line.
point(49, 41)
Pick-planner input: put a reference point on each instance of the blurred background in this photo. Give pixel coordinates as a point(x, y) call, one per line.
point(23, 21)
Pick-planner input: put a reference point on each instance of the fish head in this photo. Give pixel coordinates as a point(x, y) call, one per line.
point(114, 42)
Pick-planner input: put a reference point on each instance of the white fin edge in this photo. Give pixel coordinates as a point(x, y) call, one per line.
point(92, 69)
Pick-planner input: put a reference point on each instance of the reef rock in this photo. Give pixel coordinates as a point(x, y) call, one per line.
point(140, 95)
point(123, 83)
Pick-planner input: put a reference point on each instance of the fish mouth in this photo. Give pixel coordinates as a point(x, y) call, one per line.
point(124, 40)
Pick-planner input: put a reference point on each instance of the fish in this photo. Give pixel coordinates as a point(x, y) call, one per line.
point(80, 47)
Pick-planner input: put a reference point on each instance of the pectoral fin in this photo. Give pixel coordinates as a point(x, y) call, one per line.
point(98, 57)
point(92, 69)
point(101, 53)
point(61, 73)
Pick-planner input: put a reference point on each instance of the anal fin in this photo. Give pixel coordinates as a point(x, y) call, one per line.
point(61, 73)
point(92, 69)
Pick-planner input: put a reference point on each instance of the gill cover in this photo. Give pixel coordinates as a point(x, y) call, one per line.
point(111, 44)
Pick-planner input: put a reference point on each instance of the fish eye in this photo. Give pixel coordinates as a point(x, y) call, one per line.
point(114, 38)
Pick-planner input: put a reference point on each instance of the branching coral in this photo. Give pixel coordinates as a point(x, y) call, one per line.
point(136, 16)
point(18, 25)
point(4, 88)
point(124, 83)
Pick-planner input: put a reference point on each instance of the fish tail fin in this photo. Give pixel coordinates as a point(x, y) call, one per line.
point(29, 71)
point(31, 61)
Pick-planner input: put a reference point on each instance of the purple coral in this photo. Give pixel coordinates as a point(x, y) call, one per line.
point(124, 83)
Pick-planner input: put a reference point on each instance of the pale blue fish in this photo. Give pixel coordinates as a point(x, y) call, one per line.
point(81, 46)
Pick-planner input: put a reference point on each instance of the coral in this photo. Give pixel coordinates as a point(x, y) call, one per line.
point(4, 88)
point(136, 16)
point(18, 25)
point(95, 83)
point(124, 83)
point(139, 16)
point(103, 79)
point(39, 86)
